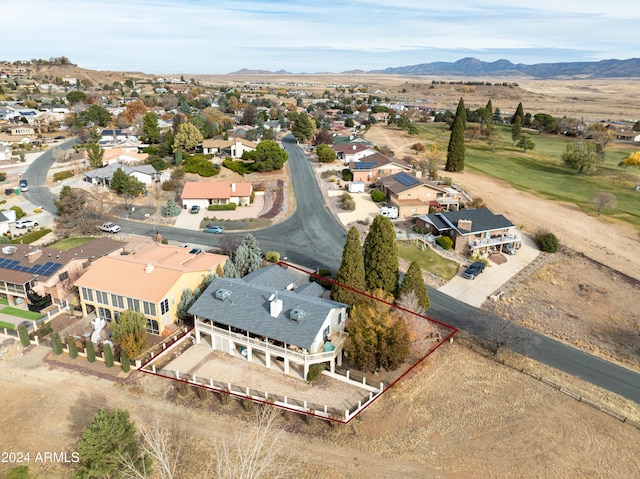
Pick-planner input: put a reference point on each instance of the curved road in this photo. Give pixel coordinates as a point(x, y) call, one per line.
point(312, 237)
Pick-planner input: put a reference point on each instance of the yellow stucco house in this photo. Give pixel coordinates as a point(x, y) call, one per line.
point(149, 280)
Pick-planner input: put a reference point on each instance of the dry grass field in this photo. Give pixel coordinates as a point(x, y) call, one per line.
point(457, 416)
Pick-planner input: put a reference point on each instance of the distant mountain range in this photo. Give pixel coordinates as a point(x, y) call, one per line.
point(475, 67)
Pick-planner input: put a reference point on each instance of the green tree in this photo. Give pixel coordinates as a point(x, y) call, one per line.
point(150, 127)
point(326, 154)
point(517, 121)
point(484, 116)
point(56, 343)
point(76, 96)
point(544, 122)
point(351, 272)
point(187, 137)
point(106, 439)
point(171, 209)
point(125, 184)
point(94, 115)
point(455, 150)
point(413, 282)
point(107, 354)
point(95, 153)
point(247, 257)
point(381, 256)
point(125, 364)
point(23, 334)
point(130, 332)
point(525, 142)
point(378, 337)
point(582, 156)
point(230, 270)
point(349, 122)
point(91, 351)
point(187, 300)
point(267, 156)
point(302, 128)
point(71, 346)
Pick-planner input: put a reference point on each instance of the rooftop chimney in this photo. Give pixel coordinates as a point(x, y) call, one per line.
point(34, 255)
point(233, 187)
point(275, 305)
point(464, 225)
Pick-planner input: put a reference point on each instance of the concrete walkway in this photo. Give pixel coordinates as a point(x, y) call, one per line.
point(475, 292)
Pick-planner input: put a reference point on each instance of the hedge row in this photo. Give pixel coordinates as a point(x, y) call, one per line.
point(227, 207)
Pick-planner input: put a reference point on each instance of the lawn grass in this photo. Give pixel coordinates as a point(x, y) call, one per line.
point(6, 325)
point(21, 313)
point(541, 171)
point(67, 244)
point(428, 260)
point(4, 301)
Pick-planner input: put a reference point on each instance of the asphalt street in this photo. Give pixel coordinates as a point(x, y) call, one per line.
point(313, 238)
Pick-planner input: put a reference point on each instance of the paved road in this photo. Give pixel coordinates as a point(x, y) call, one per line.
point(313, 238)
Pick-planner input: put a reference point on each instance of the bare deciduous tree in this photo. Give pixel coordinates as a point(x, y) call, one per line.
point(603, 201)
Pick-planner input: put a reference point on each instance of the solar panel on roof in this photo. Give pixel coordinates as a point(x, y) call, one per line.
point(364, 165)
point(405, 179)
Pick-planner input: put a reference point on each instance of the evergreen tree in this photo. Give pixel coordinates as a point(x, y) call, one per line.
point(130, 332)
point(95, 153)
point(413, 282)
point(517, 122)
point(91, 351)
point(303, 128)
point(150, 127)
point(71, 346)
point(351, 271)
point(230, 270)
point(172, 209)
point(381, 256)
point(248, 255)
point(108, 355)
point(187, 300)
point(489, 107)
point(107, 437)
point(455, 150)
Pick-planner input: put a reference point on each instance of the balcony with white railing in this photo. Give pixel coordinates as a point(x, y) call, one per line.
point(292, 353)
point(496, 241)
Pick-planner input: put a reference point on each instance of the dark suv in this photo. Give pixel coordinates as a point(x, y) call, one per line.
point(195, 209)
point(474, 270)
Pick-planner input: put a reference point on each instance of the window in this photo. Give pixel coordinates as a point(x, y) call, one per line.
point(102, 298)
point(117, 301)
point(326, 332)
point(133, 304)
point(87, 294)
point(149, 308)
point(339, 318)
point(164, 306)
point(152, 326)
point(62, 276)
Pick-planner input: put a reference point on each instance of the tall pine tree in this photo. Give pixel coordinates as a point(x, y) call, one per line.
point(381, 256)
point(351, 271)
point(413, 282)
point(247, 257)
point(517, 122)
point(455, 151)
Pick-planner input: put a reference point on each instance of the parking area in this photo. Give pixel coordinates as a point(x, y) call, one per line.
point(191, 221)
point(475, 291)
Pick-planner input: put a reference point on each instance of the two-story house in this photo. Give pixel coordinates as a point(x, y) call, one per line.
point(473, 231)
point(373, 167)
point(150, 280)
point(416, 196)
point(269, 324)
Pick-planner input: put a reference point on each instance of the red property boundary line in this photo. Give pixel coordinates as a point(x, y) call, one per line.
point(452, 331)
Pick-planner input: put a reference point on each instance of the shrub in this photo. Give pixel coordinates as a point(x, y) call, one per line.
point(328, 174)
point(444, 242)
point(548, 242)
point(3, 176)
point(378, 196)
point(124, 360)
point(62, 175)
point(37, 210)
point(91, 351)
point(108, 355)
point(24, 335)
point(314, 371)
point(31, 237)
point(56, 343)
point(201, 165)
point(227, 207)
point(347, 175)
point(323, 273)
point(18, 210)
point(238, 166)
point(349, 204)
point(272, 256)
point(73, 350)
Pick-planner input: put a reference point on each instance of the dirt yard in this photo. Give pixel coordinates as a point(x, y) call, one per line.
point(447, 419)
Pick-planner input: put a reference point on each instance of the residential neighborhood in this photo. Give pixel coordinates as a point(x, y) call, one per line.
point(311, 247)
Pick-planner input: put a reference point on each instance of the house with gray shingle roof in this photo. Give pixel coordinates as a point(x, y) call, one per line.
point(473, 231)
point(270, 325)
point(147, 174)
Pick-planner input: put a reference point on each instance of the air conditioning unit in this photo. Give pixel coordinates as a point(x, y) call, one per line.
point(9, 249)
point(222, 294)
point(297, 314)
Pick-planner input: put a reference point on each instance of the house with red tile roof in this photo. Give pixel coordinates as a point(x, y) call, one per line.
point(150, 279)
point(205, 193)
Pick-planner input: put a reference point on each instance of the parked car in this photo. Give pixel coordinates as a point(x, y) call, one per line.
point(474, 270)
point(214, 229)
point(8, 191)
point(26, 224)
point(510, 249)
point(109, 228)
point(23, 185)
point(195, 251)
point(195, 209)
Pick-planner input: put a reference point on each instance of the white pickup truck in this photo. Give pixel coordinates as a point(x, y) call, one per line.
point(109, 228)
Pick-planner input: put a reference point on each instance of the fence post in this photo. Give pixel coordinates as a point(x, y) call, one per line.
point(348, 371)
point(177, 374)
point(35, 338)
point(153, 368)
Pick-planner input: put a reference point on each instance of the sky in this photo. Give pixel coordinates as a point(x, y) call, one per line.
point(220, 36)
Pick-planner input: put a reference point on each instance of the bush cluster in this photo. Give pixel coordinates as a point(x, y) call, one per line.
point(237, 166)
point(62, 175)
point(347, 202)
point(201, 165)
point(548, 242)
point(444, 242)
point(227, 207)
point(378, 196)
